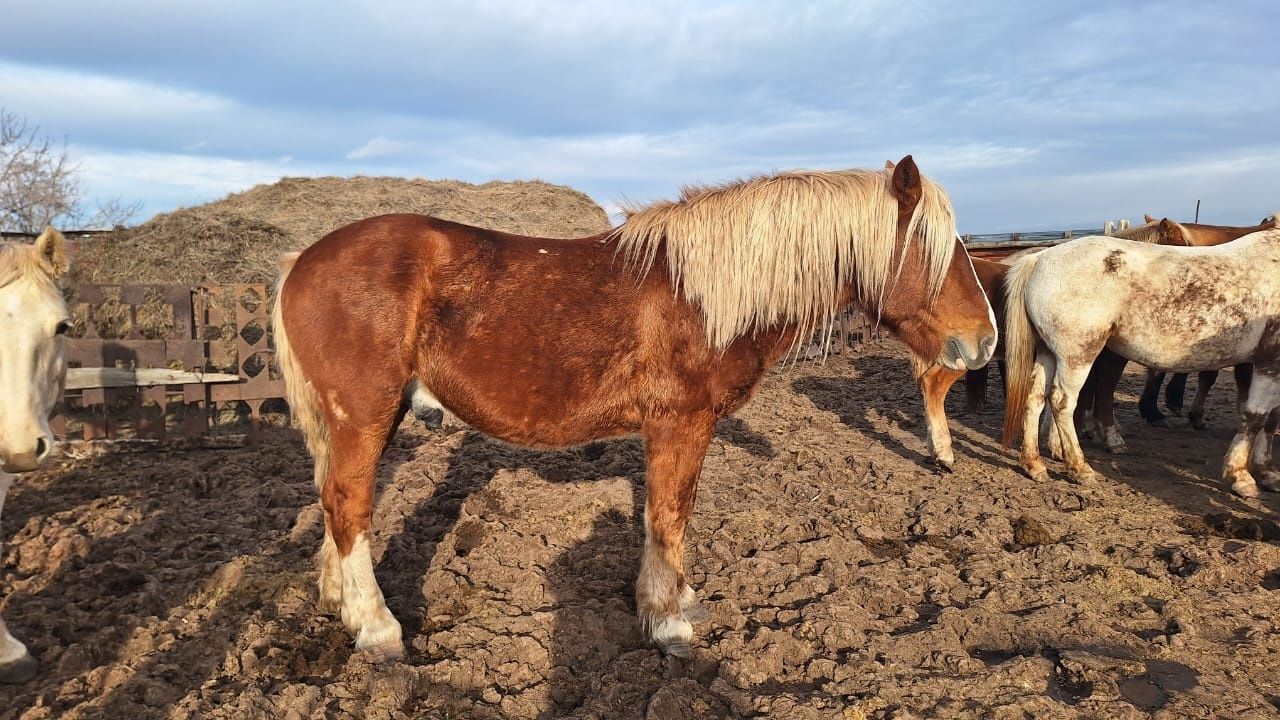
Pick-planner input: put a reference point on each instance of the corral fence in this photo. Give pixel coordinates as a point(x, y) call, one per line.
point(169, 363)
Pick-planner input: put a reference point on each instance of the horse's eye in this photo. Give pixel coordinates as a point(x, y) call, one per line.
point(61, 328)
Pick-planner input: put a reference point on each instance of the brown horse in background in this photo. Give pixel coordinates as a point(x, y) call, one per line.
point(659, 327)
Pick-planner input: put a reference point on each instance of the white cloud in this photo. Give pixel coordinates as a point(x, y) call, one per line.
point(172, 179)
point(382, 147)
point(55, 93)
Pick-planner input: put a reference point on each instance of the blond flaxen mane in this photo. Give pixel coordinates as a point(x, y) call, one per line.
point(779, 249)
point(1154, 234)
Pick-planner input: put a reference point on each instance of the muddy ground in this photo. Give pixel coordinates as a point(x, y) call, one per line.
point(844, 577)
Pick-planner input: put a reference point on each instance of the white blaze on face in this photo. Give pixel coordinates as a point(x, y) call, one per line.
point(991, 314)
point(32, 365)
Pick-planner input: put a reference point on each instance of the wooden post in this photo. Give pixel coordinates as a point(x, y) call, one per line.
point(1197, 211)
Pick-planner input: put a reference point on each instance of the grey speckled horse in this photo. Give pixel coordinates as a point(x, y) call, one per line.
point(1178, 309)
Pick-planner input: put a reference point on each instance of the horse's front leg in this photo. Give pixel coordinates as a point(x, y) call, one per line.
point(975, 388)
point(935, 384)
point(1264, 396)
point(16, 664)
point(675, 448)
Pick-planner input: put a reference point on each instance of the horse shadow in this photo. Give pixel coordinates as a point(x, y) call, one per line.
point(127, 583)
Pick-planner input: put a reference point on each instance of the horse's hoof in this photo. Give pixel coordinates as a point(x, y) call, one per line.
point(20, 670)
point(382, 652)
point(433, 418)
point(946, 466)
point(1041, 475)
point(682, 650)
point(380, 636)
point(1270, 481)
point(1199, 424)
point(674, 636)
point(1083, 477)
point(1117, 448)
point(1245, 488)
point(1174, 411)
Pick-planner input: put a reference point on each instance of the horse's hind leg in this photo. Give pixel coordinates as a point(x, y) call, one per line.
point(675, 448)
point(1062, 398)
point(1264, 396)
point(355, 445)
point(1041, 371)
point(935, 383)
point(16, 664)
point(1148, 406)
point(1204, 381)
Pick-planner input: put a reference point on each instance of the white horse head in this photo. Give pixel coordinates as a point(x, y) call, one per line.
point(33, 323)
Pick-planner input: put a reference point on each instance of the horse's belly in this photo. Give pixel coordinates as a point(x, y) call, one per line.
point(1186, 352)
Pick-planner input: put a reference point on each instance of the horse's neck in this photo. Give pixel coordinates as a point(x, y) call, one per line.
point(1210, 235)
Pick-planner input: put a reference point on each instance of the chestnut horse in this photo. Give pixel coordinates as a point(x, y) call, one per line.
point(33, 368)
point(1170, 308)
point(659, 327)
point(936, 380)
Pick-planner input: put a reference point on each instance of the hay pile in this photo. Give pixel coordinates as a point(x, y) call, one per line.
point(239, 239)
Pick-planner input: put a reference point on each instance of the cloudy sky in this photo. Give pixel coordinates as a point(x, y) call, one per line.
point(1033, 115)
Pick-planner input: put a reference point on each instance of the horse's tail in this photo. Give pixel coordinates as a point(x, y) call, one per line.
point(298, 390)
point(1019, 346)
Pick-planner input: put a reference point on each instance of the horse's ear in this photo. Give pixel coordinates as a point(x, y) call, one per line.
point(1171, 232)
point(888, 164)
point(51, 246)
point(906, 182)
point(1147, 219)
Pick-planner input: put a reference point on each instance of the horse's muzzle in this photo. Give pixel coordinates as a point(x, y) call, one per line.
point(962, 354)
point(29, 460)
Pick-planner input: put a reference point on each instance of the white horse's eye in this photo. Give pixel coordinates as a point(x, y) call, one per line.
point(61, 328)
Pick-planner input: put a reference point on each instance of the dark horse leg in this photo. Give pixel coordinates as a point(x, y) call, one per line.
point(1147, 406)
point(975, 389)
point(1175, 393)
point(675, 448)
point(1204, 381)
point(1106, 373)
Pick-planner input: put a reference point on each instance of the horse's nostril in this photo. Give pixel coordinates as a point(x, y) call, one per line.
point(42, 449)
point(989, 342)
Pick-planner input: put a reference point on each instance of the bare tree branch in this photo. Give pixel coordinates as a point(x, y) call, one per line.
point(40, 186)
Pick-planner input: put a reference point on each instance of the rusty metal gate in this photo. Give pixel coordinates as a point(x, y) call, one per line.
point(196, 330)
